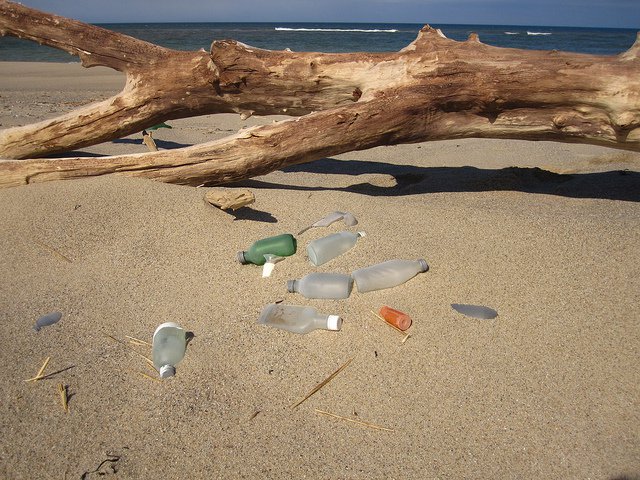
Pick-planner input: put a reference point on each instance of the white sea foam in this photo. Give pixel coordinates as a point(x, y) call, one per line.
point(287, 29)
point(538, 33)
point(512, 33)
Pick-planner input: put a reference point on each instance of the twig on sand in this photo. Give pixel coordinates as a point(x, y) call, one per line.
point(39, 375)
point(324, 382)
point(406, 335)
point(53, 250)
point(129, 347)
point(359, 422)
point(137, 341)
point(146, 375)
point(64, 398)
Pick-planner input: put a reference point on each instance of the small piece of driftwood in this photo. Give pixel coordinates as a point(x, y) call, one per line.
point(229, 198)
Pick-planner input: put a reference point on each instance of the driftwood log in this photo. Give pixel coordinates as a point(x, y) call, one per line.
point(433, 89)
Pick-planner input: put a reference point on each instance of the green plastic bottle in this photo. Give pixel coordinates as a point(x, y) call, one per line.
point(280, 245)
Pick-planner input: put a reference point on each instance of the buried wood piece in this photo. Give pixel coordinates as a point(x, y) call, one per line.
point(148, 140)
point(230, 198)
point(64, 396)
point(433, 89)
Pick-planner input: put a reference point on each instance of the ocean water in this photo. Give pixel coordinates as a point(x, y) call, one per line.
point(339, 37)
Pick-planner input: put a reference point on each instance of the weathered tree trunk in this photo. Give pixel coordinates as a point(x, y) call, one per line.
point(434, 88)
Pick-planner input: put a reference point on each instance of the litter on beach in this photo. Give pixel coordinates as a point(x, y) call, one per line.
point(475, 311)
point(46, 320)
point(349, 221)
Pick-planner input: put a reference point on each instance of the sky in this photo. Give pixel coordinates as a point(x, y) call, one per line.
point(578, 13)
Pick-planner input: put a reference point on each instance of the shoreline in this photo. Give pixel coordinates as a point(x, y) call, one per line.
point(545, 233)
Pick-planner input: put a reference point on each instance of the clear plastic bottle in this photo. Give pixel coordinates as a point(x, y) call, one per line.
point(298, 319)
point(327, 248)
point(169, 345)
point(281, 245)
point(322, 285)
point(388, 274)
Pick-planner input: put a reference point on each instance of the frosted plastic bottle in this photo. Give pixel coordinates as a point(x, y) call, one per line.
point(298, 319)
point(327, 248)
point(388, 274)
point(169, 345)
point(322, 285)
point(280, 245)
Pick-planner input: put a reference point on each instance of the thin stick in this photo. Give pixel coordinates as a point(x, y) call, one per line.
point(147, 376)
point(129, 347)
point(137, 341)
point(40, 372)
point(324, 382)
point(53, 250)
point(346, 419)
point(406, 335)
point(62, 389)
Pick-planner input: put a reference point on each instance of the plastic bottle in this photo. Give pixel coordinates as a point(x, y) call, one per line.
point(327, 248)
point(298, 319)
point(280, 245)
point(169, 345)
point(388, 274)
point(322, 285)
point(395, 317)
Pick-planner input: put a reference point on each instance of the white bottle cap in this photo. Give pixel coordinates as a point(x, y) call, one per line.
point(334, 322)
point(361, 234)
point(167, 371)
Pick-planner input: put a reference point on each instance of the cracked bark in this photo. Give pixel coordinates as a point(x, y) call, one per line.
point(433, 89)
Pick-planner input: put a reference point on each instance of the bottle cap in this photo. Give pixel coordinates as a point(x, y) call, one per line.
point(240, 258)
point(423, 264)
point(291, 286)
point(361, 234)
point(334, 322)
point(167, 371)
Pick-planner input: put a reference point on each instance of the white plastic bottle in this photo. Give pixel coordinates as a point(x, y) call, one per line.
point(327, 248)
point(169, 345)
point(388, 274)
point(298, 319)
point(322, 285)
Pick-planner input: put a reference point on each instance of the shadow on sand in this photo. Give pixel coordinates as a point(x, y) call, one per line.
point(413, 180)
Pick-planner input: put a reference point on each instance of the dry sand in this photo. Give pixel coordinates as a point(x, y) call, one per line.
point(549, 389)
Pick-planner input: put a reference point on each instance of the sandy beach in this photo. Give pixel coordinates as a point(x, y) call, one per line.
point(545, 233)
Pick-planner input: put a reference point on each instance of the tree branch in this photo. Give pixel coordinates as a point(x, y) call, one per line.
point(434, 88)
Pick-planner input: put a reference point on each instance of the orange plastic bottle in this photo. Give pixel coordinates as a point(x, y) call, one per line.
point(395, 317)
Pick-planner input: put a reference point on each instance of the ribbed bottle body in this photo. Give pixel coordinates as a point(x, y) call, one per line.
point(297, 319)
point(327, 248)
point(334, 286)
point(387, 274)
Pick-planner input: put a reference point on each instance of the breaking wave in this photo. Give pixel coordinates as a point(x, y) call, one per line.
point(287, 29)
point(512, 33)
point(538, 33)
